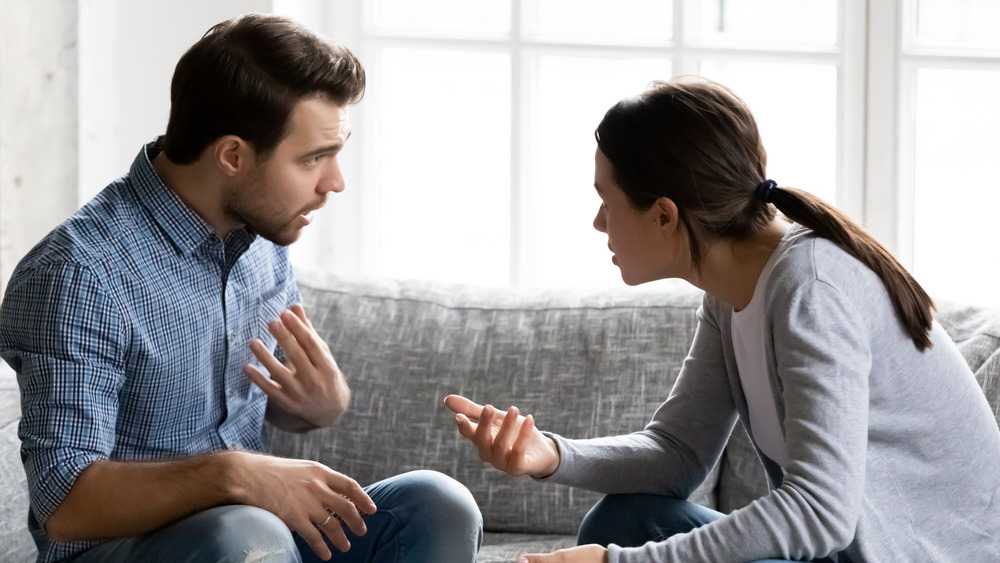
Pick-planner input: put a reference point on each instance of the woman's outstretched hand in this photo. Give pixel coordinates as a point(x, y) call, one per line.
point(508, 441)
point(592, 553)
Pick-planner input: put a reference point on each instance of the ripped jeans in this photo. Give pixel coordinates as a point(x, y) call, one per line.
point(422, 516)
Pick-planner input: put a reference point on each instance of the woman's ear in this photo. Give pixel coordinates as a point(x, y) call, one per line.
point(665, 215)
point(230, 154)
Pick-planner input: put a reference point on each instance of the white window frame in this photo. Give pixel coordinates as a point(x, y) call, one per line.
point(875, 126)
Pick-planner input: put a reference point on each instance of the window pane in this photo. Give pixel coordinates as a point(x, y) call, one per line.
point(442, 16)
point(442, 156)
point(595, 21)
point(769, 22)
point(956, 186)
point(797, 118)
point(971, 24)
point(573, 93)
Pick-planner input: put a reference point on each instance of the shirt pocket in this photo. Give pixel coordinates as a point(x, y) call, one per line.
point(270, 305)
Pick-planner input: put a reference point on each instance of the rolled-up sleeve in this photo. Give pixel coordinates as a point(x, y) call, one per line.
point(64, 336)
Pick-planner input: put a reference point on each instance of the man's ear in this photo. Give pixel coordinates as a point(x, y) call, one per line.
point(665, 215)
point(231, 155)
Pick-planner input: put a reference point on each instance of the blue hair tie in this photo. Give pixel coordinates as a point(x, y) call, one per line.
point(765, 190)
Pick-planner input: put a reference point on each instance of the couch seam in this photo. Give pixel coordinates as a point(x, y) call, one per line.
point(500, 308)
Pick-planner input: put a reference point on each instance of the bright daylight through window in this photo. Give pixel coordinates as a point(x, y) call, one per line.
point(474, 155)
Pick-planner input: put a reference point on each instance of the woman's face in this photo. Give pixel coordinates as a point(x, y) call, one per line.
point(635, 237)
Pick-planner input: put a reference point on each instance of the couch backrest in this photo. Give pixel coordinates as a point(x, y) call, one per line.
point(586, 364)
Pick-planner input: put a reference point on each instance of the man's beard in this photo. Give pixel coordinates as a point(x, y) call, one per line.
point(251, 206)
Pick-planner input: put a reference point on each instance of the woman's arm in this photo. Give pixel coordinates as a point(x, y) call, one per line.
point(672, 455)
point(679, 446)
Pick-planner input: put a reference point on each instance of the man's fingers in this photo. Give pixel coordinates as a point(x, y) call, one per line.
point(281, 380)
point(351, 491)
point(288, 341)
point(260, 380)
point(315, 540)
point(331, 524)
point(346, 514)
point(266, 357)
point(300, 312)
point(313, 349)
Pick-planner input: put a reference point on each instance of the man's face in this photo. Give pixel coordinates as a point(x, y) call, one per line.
point(284, 189)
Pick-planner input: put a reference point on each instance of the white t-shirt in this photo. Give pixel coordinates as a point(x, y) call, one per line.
point(748, 346)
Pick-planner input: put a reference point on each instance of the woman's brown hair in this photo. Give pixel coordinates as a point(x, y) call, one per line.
point(695, 142)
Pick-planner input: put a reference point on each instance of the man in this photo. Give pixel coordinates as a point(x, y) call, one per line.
point(135, 325)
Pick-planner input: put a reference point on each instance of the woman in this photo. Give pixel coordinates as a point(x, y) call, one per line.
point(877, 441)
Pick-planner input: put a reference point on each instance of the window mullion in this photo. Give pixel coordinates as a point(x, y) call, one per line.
point(519, 220)
point(884, 215)
point(851, 152)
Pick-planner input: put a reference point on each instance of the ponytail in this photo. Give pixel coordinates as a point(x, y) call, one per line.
point(912, 304)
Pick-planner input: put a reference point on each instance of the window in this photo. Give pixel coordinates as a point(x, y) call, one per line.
point(476, 137)
point(950, 85)
point(472, 158)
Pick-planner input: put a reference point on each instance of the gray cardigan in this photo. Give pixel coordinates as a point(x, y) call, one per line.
point(894, 452)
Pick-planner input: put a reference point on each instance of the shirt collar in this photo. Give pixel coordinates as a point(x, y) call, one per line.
point(185, 228)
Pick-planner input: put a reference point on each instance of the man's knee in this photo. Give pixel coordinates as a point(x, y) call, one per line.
point(239, 534)
point(441, 498)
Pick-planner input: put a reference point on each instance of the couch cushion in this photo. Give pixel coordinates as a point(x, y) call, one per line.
point(976, 332)
point(505, 547)
point(586, 364)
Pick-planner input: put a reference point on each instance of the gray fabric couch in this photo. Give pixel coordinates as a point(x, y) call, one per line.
point(585, 363)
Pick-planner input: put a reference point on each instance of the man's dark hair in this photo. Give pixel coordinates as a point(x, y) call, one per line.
point(244, 77)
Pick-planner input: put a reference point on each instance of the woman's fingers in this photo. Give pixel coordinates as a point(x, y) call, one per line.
point(466, 427)
point(505, 436)
point(484, 433)
point(460, 405)
point(517, 456)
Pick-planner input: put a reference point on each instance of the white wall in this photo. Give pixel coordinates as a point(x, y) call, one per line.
point(38, 122)
point(128, 51)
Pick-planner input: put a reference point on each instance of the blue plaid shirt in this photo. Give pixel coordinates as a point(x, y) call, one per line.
point(128, 327)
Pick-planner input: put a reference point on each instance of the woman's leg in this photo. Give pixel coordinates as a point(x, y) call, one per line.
point(632, 520)
point(422, 516)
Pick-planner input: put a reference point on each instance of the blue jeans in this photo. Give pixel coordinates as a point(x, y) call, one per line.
point(632, 520)
point(422, 516)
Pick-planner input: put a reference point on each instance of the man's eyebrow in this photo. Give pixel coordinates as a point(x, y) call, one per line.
point(333, 147)
point(323, 150)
